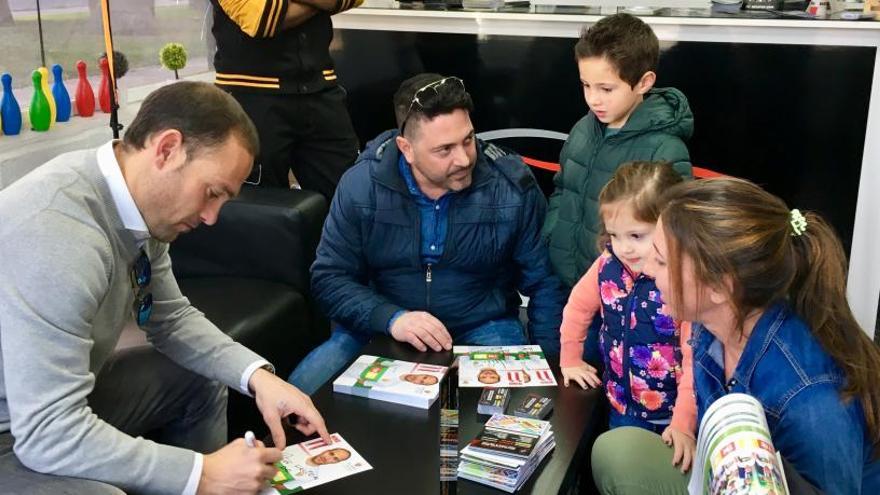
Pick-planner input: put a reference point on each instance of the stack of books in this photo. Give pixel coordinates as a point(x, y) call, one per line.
point(448, 444)
point(493, 401)
point(506, 453)
point(403, 382)
point(449, 433)
point(513, 366)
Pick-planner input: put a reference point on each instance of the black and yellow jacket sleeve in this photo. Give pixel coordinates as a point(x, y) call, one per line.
point(256, 18)
point(256, 53)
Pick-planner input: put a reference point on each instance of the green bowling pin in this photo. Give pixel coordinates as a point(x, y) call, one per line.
point(40, 113)
point(49, 96)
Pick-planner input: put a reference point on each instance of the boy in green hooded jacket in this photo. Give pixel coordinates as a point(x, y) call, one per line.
point(629, 120)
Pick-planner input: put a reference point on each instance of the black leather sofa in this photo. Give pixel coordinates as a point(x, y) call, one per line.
point(249, 274)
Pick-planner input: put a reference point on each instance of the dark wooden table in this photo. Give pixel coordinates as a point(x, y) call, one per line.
point(402, 443)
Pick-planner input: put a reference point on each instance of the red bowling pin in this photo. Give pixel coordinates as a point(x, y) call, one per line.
point(104, 91)
point(85, 96)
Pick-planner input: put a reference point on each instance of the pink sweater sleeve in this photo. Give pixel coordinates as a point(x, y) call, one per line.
point(583, 304)
point(684, 414)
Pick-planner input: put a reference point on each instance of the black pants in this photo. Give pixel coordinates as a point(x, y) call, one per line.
point(310, 134)
point(141, 393)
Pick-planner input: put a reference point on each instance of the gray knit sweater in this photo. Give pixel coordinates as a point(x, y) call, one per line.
point(65, 295)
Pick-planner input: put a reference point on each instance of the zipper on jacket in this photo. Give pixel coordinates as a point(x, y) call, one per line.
point(428, 288)
point(625, 354)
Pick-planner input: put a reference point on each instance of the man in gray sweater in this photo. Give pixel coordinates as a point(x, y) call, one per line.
point(83, 252)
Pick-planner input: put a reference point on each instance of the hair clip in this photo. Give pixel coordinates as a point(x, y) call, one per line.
point(798, 222)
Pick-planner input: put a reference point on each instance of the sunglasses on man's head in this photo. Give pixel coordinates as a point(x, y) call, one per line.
point(141, 274)
point(422, 97)
point(256, 175)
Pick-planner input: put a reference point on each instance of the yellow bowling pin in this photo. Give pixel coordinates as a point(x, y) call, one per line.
point(45, 85)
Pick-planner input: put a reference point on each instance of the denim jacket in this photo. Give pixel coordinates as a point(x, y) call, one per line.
point(797, 382)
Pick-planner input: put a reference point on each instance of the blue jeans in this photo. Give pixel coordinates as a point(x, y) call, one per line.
point(329, 358)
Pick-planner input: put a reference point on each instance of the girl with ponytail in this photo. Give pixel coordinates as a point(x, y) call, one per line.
point(765, 286)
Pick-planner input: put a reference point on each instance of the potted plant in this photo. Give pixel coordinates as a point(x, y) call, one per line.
point(173, 57)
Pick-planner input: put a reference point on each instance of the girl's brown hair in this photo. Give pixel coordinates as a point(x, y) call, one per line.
point(640, 184)
point(738, 234)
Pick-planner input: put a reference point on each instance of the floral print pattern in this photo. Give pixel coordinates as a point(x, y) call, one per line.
point(616, 396)
point(658, 368)
point(652, 400)
point(610, 292)
point(616, 358)
point(665, 325)
point(644, 395)
point(639, 342)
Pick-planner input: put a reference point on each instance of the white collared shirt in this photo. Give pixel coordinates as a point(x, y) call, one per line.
point(125, 205)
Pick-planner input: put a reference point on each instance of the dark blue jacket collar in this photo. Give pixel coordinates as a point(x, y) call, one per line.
point(384, 152)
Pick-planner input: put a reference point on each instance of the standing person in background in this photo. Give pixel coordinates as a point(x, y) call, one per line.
point(629, 119)
point(274, 58)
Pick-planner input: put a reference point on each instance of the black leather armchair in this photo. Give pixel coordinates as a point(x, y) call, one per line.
point(249, 274)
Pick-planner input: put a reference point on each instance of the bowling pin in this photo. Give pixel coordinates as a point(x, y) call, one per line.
point(40, 113)
point(61, 96)
point(45, 85)
point(104, 91)
point(85, 96)
point(9, 108)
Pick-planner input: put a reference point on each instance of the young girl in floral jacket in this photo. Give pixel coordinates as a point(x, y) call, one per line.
point(647, 377)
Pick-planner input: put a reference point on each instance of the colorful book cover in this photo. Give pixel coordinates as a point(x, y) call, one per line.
point(521, 426)
point(735, 451)
point(496, 474)
point(534, 406)
point(503, 366)
point(504, 443)
point(502, 471)
point(402, 382)
point(493, 400)
point(312, 463)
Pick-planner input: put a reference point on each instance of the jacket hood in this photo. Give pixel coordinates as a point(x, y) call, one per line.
point(664, 109)
point(377, 146)
point(382, 150)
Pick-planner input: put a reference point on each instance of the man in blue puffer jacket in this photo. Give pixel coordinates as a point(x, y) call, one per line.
point(430, 237)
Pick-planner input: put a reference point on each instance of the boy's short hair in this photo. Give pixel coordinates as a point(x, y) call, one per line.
point(425, 96)
point(626, 41)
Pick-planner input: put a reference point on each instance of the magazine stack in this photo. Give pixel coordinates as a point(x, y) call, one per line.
point(506, 453)
point(512, 366)
point(403, 382)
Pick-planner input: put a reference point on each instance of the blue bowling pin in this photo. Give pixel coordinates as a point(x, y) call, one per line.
point(62, 97)
point(9, 109)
